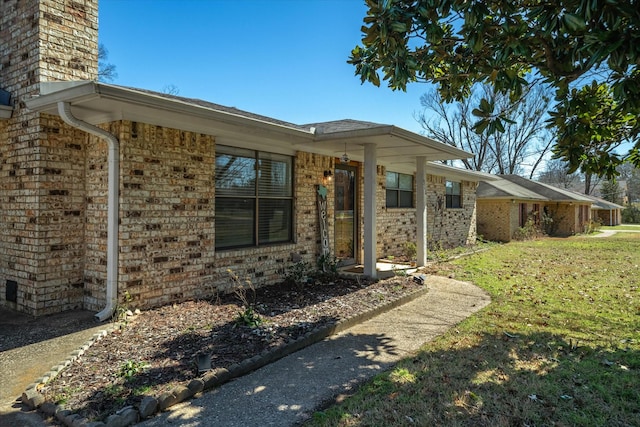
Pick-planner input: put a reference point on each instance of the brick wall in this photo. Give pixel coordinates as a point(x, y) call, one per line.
point(566, 218)
point(449, 228)
point(267, 265)
point(41, 162)
point(445, 227)
point(494, 219)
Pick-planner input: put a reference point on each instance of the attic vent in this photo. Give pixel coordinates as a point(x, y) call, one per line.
point(5, 97)
point(12, 291)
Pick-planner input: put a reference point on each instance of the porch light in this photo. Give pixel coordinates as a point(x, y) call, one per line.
point(328, 177)
point(344, 158)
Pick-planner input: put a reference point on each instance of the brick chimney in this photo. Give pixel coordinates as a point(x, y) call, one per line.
point(46, 40)
point(41, 159)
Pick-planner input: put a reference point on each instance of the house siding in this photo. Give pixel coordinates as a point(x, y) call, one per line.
point(494, 219)
point(446, 228)
point(606, 217)
point(565, 219)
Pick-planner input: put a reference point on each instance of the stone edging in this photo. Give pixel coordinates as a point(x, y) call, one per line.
point(211, 379)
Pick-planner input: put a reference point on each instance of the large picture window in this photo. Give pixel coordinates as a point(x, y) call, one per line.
point(399, 190)
point(254, 198)
point(453, 195)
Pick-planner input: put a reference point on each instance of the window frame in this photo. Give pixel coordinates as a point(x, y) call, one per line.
point(257, 198)
point(398, 190)
point(451, 197)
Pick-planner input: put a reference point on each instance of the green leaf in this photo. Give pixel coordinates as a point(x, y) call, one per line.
point(574, 22)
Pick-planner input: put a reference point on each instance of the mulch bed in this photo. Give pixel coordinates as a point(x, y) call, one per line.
point(157, 349)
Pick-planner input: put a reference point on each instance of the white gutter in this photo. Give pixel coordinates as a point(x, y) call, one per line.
point(64, 109)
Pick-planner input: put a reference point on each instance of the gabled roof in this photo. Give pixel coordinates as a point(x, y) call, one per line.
point(605, 205)
point(97, 103)
point(547, 191)
point(503, 189)
point(519, 188)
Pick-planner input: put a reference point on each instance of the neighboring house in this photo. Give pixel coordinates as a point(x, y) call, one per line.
point(605, 212)
point(107, 189)
point(505, 205)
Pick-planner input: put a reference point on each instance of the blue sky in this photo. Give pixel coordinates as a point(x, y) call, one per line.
point(281, 58)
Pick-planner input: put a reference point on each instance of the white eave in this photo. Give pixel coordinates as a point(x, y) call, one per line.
point(451, 172)
point(97, 103)
point(396, 148)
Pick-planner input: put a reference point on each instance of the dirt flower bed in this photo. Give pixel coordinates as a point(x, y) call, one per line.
point(157, 349)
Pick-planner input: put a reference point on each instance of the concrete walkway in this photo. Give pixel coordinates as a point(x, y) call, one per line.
point(288, 391)
point(29, 348)
point(280, 394)
point(609, 232)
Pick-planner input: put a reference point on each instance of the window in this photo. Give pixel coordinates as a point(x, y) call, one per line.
point(453, 195)
point(399, 190)
point(254, 198)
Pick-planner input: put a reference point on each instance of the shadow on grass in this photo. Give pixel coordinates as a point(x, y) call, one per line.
point(502, 380)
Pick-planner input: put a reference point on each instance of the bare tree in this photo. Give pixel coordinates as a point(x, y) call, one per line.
point(556, 173)
point(171, 89)
point(520, 149)
point(106, 72)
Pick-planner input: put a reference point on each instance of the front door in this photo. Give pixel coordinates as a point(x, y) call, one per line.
point(345, 224)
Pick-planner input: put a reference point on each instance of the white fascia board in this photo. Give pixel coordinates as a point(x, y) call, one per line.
point(463, 174)
point(80, 95)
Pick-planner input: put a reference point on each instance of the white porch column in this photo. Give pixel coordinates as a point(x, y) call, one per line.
point(370, 241)
point(421, 210)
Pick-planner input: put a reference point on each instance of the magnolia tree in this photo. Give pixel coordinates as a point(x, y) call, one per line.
point(510, 44)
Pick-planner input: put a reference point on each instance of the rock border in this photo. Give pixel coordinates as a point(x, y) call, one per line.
point(151, 405)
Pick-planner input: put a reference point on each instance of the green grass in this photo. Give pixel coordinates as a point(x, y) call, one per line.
point(635, 227)
point(559, 345)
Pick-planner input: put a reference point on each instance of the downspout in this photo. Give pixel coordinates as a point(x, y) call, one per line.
point(64, 109)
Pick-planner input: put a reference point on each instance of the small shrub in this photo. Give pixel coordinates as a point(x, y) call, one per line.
point(131, 368)
point(120, 313)
point(531, 230)
point(328, 266)
point(591, 226)
point(298, 274)
point(246, 293)
point(437, 252)
point(249, 317)
point(411, 250)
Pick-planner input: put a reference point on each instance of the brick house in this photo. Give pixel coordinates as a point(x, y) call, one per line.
point(605, 212)
point(507, 203)
point(107, 189)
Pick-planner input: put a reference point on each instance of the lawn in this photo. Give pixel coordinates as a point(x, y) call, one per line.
point(559, 345)
point(633, 227)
